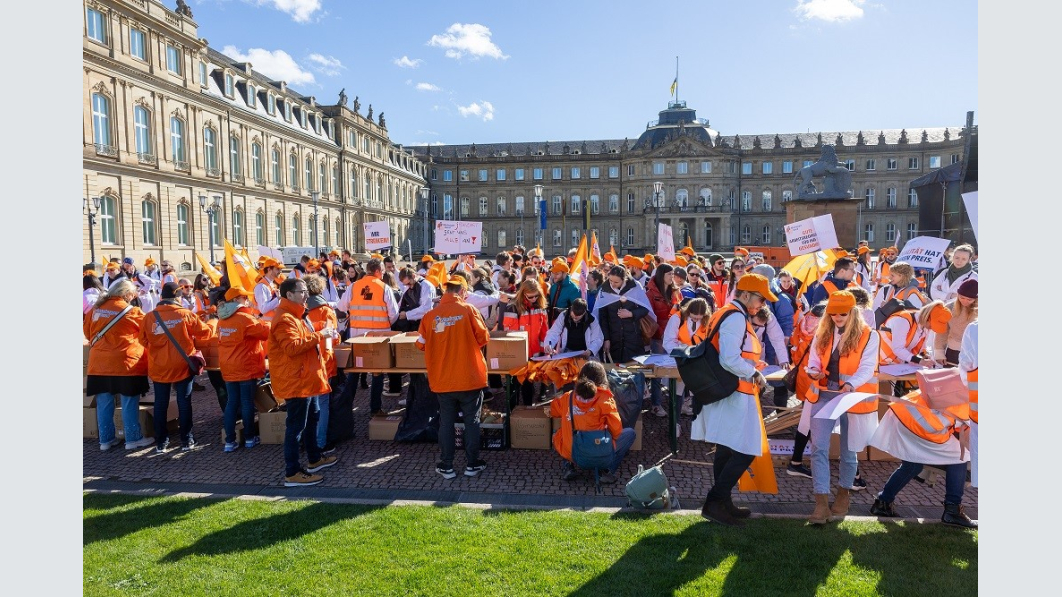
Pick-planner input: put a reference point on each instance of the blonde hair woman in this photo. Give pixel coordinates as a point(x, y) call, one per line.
point(902, 285)
point(527, 312)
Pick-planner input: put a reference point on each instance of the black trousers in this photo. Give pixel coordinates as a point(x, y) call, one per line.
point(727, 468)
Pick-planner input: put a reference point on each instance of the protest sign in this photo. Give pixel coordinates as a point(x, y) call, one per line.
point(377, 236)
point(924, 252)
point(970, 199)
point(458, 238)
point(810, 235)
point(665, 243)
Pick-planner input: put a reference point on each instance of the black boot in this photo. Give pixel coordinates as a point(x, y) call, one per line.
point(954, 515)
point(717, 511)
point(736, 511)
point(882, 508)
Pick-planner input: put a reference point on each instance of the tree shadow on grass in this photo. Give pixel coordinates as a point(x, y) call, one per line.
point(260, 533)
point(114, 525)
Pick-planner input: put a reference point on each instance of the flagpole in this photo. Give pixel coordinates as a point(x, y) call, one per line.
point(676, 79)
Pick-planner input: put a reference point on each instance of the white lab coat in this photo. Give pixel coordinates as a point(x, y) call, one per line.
point(940, 290)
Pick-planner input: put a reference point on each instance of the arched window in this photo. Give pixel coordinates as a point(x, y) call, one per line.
point(482, 206)
point(890, 232)
point(746, 200)
point(309, 174)
point(275, 165)
point(259, 228)
point(503, 203)
point(234, 156)
point(501, 238)
point(295, 232)
point(558, 237)
point(870, 198)
point(338, 241)
point(577, 206)
point(519, 201)
point(706, 197)
point(101, 122)
point(353, 183)
point(519, 236)
point(912, 199)
point(787, 196)
point(182, 224)
point(180, 158)
point(368, 188)
point(256, 162)
point(868, 233)
point(321, 168)
point(293, 171)
point(613, 203)
point(682, 198)
point(148, 221)
point(464, 206)
point(890, 198)
point(746, 234)
point(335, 178)
point(142, 132)
point(766, 201)
point(108, 220)
point(210, 151)
point(278, 229)
point(630, 237)
point(237, 228)
point(595, 203)
point(613, 237)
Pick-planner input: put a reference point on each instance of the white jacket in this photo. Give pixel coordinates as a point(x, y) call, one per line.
point(941, 290)
point(557, 336)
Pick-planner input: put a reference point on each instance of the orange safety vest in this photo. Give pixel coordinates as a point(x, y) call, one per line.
point(754, 353)
point(927, 423)
point(971, 381)
point(368, 309)
point(906, 293)
point(266, 316)
point(697, 337)
point(830, 287)
point(848, 365)
point(883, 273)
point(886, 336)
point(719, 288)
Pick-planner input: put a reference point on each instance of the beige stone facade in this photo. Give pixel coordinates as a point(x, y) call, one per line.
point(168, 120)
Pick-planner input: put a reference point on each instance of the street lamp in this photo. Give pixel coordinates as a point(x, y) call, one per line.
point(424, 192)
point(316, 196)
point(91, 208)
point(658, 193)
point(541, 213)
point(211, 209)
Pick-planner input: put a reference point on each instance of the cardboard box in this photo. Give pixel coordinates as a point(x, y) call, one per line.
point(89, 424)
point(344, 356)
point(372, 351)
point(239, 433)
point(384, 427)
point(264, 400)
point(146, 416)
point(271, 426)
point(530, 429)
point(835, 449)
point(407, 355)
point(873, 453)
point(506, 351)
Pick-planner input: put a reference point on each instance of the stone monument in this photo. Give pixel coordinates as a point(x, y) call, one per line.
point(835, 197)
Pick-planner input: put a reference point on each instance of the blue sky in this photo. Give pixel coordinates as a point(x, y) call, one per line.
point(463, 72)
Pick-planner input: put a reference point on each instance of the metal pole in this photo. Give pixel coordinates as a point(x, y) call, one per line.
point(316, 240)
point(92, 240)
point(210, 212)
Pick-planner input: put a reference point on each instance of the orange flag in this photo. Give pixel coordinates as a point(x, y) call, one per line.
point(210, 270)
point(760, 474)
point(241, 272)
point(595, 250)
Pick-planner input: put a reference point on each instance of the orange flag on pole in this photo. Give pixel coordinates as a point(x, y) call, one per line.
point(241, 272)
point(209, 270)
point(595, 250)
point(580, 267)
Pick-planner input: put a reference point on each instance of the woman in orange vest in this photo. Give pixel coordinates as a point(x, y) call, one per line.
point(527, 312)
point(904, 333)
point(803, 334)
point(902, 285)
point(843, 358)
point(685, 328)
point(241, 354)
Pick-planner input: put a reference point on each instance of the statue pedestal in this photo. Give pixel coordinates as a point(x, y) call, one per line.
point(845, 214)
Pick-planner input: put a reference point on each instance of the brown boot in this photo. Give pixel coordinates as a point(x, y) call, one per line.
point(840, 504)
point(821, 515)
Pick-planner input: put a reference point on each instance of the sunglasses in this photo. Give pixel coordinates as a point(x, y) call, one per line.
point(531, 296)
point(185, 286)
point(737, 267)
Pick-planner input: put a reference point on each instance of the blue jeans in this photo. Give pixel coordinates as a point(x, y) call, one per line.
point(470, 403)
point(183, 389)
point(821, 429)
point(623, 445)
point(240, 400)
point(300, 425)
point(322, 420)
point(954, 481)
point(130, 417)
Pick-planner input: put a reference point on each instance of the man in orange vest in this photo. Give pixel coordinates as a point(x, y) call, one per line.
point(371, 306)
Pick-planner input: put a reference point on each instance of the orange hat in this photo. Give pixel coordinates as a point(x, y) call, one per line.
point(427, 259)
point(313, 264)
point(455, 279)
point(688, 251)
point(648, 259)
point(680, 260)
point(149, 261)
point(559, 266)
point(840, 302)
point(939, 317)
point(862, 250)
point(113, 265)
point(758, 284)
point(609, 258)
point(633, 262)
point(235, 291)
point(89, 272)
point(269, 262)
point(376, 256)
point(741, 251)
point(839, 252)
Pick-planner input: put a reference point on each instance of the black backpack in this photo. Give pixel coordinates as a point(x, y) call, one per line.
point(700, 369)
point(890, 308)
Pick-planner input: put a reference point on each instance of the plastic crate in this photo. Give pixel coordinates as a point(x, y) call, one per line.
point(492, 436)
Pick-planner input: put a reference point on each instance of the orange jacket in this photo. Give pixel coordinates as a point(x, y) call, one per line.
point(599, 413)
point(801, 350)
point(165, 364)
point(241, 345)
point(296, 368)
point(322, 317)
point(452, 336)
point(119, 351)
point(533, 321)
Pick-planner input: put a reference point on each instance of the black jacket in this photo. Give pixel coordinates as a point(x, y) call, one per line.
point(623, 335)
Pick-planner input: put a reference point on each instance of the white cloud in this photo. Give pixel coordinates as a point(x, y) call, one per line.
point(277, 64)
point(326, 65)
point(472, 39)
point(427, 132)
point(426, 143)
point(300, 10)
point(427, 87)
point(481, 109)
point(830, 10)
point(406, 62)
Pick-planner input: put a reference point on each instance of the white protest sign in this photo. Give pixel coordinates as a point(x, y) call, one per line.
point(665, 243)
point(810, 235)
point(924, 252)
point(970, 199)
point(457, 238)
point(377, 236)
point(274, 253)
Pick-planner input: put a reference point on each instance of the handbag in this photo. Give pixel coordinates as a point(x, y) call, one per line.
point(648, 328)
point(700, 369)
point(648, 489)
point(943, 388)
point(590, 449)
point(196, 361)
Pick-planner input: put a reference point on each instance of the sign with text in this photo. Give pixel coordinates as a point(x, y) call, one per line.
point(292, 255)
point(970, 199)
point(665, 243)
point(377, 236)
point(924, 252)
point(810, 235)
point(457, 238)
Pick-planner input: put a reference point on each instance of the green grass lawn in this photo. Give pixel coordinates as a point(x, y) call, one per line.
point(236, 548)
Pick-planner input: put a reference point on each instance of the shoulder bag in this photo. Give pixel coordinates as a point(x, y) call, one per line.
point(791, 375)
point(590, 449)
point(196, 361)
point(110, 323)
point(700, 369)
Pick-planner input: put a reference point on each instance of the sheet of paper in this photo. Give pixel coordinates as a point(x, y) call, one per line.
point(558, 356)
point(660, 360)
point(900, 369)
point(769, 369)
point(840, 405)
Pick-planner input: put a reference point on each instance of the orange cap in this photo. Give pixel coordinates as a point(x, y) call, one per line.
point(236, 291)
point(559, 266)
point(840, 302)
point(939, 317)
point(758, 284)
point(427, 259)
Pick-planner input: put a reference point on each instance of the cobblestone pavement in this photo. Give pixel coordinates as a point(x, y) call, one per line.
point(389, 471)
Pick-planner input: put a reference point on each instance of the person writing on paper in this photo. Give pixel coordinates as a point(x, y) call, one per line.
point(903, 335)
point(684, 329)
point(902, 285)
point(843, 358)
point(575, 330)
point(735, 423)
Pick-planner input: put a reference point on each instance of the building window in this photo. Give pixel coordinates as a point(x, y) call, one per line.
point(934, 161)
point(519, 236)
point(101, 120)
point(613, 237)
point(368, 188)
point(557, 237)
point(577, 204)
point(483, 175)
point(293, 171)
point(954, 158)
point(872, 165)
point(237, 228)
point(912, 163)
point(682, 168)
point(630, 169)
point(271, 104)
point(230, 87)
point(502, 209)
point(746, 167)
point(203, 74)
point(890, 232)
point(464, 176)
point(746, 234)
point(499, 174)
point(890, 163)
point(890, 198)
point(308, 174)
point(613, 171)
point(182, 224)
point(706, 197)
point(177, 142)
point(501, 239)
point(556, 205)
point(556, 174)
point(353, 182)
point(682, 198)
point(448, 175)
point(765, 236)
point(108, 225)
point(868, 233)
point(658, 168)
point(767, 168)
point(808, 163)
point(630, 203)
point(576, 233)
point(252, 96)
point(234, 156)
point(287, 110)
point(295, 232)
point(519, 204)
point(746, 201)
point(136, 43)
point(173, 59)
point(448, 207)
point(870, 198)
point(595, 202)
point(210, 151)
point(787, 167)
point(335, 178)
point(147, 220)
point(613, 204)
point(482, 206)
point(630, 237)
point(787, 196)
point(912, 199)
point(536, 174)
point(706, 167)
point(338, 241)
point(94, 26)
point(595, 171)
point(766, 204)
point(274, 158)
point(518, 174)
point(321, 168)
point(259, 228)
point(850, 164)
point(142, 131)
point(256, 162)
point(708, 235)
point(278, 228)
point(912, 229)
point(464, 206)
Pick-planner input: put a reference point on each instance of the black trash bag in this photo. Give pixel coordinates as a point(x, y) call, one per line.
point(628, 389)
point(341, 408)
point(421, 420)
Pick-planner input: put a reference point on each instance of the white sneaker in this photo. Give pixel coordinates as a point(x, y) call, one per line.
point(107, 446)
point(659, 411)
point(140, 443)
